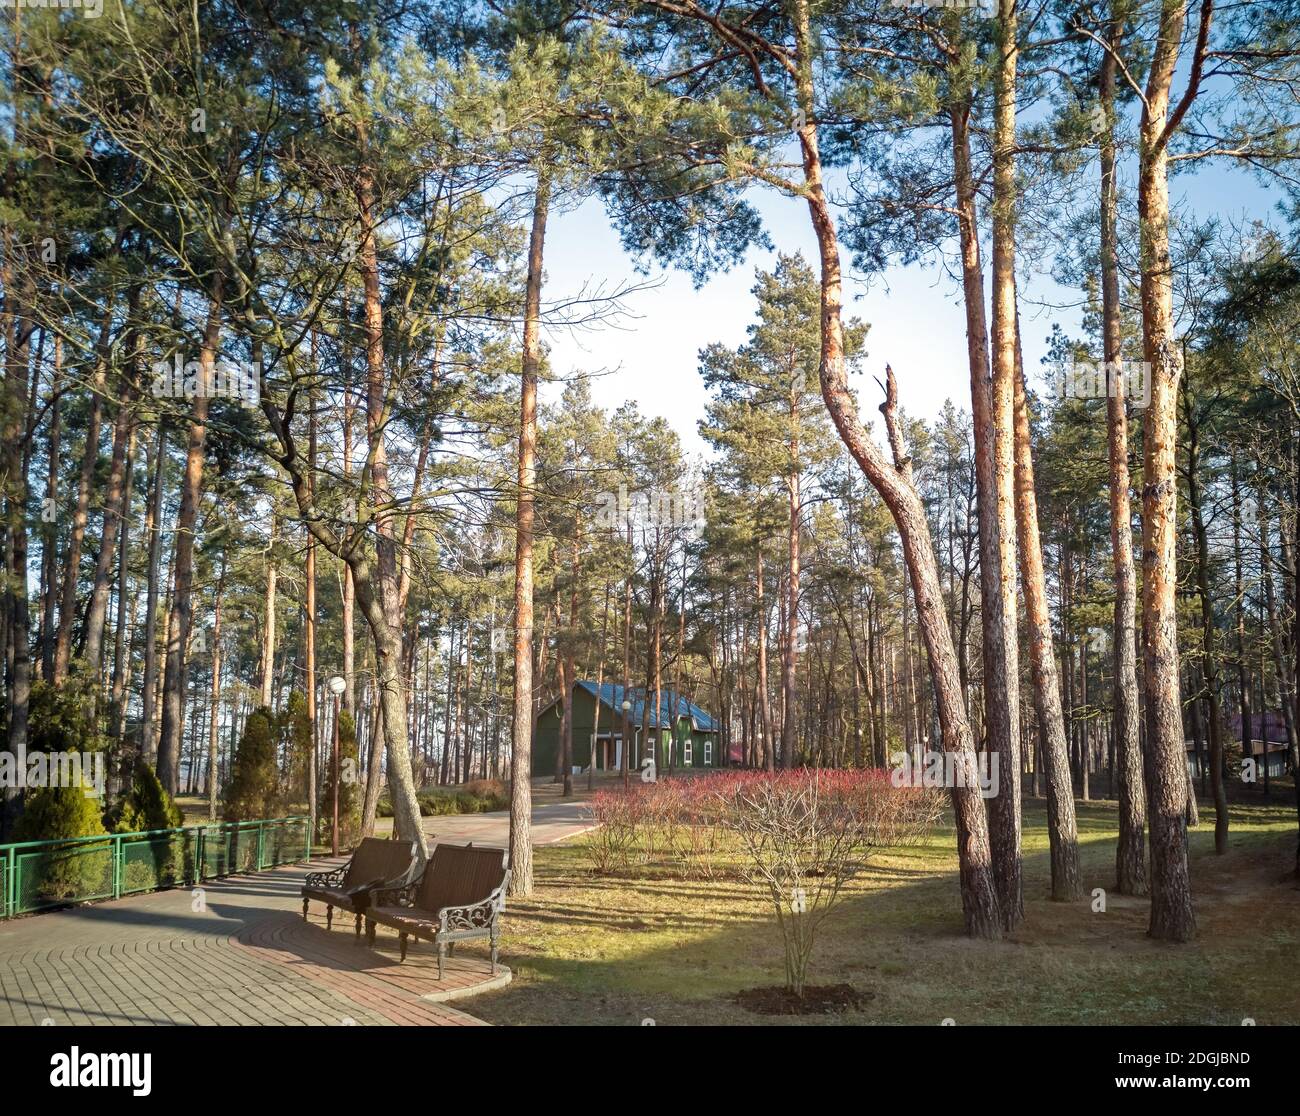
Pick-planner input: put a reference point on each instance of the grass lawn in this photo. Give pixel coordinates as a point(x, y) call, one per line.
point(619, 950)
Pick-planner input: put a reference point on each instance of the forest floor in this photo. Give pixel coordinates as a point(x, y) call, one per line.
point(648, 945)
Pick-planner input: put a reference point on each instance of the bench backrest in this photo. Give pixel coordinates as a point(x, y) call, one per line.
point(458, 875)
point(378, 859)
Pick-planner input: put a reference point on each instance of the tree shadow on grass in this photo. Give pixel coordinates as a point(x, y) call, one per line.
point(899, 930)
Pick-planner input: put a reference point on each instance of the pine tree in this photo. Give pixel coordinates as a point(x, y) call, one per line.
point(146, 804)
point(254, 790)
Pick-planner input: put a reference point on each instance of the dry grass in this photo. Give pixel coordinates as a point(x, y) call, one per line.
point(620, 950)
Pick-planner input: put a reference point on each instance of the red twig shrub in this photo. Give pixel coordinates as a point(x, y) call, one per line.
point(808, 832)
point(691, 822)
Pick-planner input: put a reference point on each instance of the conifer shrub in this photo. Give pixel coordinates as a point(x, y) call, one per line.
point(74, 871)
point(152, 862)
point(254, 790)
point(294, 729)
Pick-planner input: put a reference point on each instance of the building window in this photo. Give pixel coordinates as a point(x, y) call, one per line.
point(686, 743)
point(708, 752)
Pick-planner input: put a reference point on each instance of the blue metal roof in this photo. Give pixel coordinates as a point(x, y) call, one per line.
point(611, 694)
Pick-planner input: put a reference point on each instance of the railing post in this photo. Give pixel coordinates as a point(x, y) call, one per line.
point(261, 834)
point(117, 867)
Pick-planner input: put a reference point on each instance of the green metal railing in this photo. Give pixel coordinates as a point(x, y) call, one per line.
point(38, 875)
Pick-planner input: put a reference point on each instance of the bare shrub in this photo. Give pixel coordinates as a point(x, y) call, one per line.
point(610, 843)
point(807, 833)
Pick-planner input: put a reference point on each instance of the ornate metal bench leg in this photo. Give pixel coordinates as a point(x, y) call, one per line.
point(358, 928)
point(304, 909)
point(329, 918)
point(442, 957)
point(494, 937)
point(403, 944)
point(370, 933)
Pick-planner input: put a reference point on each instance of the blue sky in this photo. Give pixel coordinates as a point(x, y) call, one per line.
point(915, 314)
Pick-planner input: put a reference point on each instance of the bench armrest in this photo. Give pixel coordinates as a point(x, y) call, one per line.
point(401, 895)
point(474, 916)
point(333, 878)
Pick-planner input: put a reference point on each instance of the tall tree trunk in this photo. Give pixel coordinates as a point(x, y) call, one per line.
point(681, 655)
point(1130, 851)
point(994, 620)
point(101, 580)
point(998, 562)
point(1293, 584)
point(267, 684)
point(153, 529)
point(627, 665)
point(49, 521)
point(1285, 678)
point(124, 626)
point(215, 719)
point(790, 665)
point(309, 614)
point(1062, 834)
point(600, 678)
point(17, 337)
point(1239, 593)
point(656, 669)
point(348, 591)
point(81, 509)
point(1172, 917)
point(178, 621)
point(893, 482)
point(764, 704)
point(454, 651)
point(379, 596)
point(1209, 653)
point(521, 741)
point(569, 675)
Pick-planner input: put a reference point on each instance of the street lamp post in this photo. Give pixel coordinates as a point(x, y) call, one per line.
point(336, 686)
point(627, 741)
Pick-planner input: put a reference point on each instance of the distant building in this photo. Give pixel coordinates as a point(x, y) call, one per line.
point(1273, 748)
point(688, 737)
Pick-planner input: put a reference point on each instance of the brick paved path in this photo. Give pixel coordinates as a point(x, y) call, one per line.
point(244, 957)
point(241, 953)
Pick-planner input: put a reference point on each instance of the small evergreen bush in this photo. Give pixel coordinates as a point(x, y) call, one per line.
point(254, 780)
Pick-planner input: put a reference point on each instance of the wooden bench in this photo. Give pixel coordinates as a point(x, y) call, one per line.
point(375, 863)
point(459, 896)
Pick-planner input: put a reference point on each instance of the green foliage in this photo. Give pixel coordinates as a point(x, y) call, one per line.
point(479, 796)
point(51, 813)
point(254, 781)
point(146, 805)
point(349, 785)
point(294, 728)
point(57, 718)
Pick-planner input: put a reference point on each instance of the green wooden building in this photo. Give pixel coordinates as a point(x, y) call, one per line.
point(692, 735)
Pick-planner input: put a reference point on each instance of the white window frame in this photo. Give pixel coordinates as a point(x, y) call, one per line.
point(708, 752)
